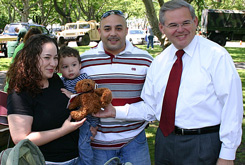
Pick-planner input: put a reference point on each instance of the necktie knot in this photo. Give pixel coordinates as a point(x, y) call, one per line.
point(180, 53)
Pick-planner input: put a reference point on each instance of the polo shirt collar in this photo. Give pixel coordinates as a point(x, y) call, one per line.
point(128, 49)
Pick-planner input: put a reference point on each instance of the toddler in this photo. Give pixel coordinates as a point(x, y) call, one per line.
point(69, 66)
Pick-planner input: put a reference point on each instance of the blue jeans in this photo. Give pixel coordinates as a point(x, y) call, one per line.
point(69, 162)
point(135, 152)
point(84, 147)
point(150, 41)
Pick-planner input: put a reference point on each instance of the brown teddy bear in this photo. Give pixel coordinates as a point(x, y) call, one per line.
point(89, 100)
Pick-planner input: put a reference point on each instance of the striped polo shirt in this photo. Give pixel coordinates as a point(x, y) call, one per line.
point(124, 74)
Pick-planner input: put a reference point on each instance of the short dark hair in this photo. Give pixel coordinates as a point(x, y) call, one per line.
point(66, 51)
point(16, 29)
point(31, 32)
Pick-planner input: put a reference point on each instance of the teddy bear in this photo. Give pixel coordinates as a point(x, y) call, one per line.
point(88, 99)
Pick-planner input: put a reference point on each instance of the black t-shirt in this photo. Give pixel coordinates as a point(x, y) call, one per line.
point(48, 110)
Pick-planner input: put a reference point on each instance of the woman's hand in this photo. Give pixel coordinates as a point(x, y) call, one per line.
point(69, 126)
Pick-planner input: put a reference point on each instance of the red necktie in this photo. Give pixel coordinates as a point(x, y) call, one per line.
point(170, 98)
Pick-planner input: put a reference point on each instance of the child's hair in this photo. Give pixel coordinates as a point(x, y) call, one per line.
point(66, 51)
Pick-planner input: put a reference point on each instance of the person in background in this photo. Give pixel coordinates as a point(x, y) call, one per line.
point(37, 107)
point(146, 37)
point(21, 33)
point(150, 38)
point(69, 66)
point(30, 32)
point(118, 65)
point(200, 110)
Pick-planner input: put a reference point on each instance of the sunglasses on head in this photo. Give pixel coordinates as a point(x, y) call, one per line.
point(111, 12)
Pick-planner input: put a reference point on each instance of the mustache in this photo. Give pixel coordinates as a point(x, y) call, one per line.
point(113, 38)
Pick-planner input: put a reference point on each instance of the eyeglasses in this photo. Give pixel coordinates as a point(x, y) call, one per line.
point(111, 12)
point(175, 26)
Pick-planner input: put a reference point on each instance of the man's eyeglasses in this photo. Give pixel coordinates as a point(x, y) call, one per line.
point(175, 26)
point(111, 12)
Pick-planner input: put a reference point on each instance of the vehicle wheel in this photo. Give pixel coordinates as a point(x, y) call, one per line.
point(143, 41)
point(79, 41)
point(85, 40)
point(5, 51)
point(220, 39)
point(61, 41)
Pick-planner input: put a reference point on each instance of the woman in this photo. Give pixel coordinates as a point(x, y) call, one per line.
point(36, 107)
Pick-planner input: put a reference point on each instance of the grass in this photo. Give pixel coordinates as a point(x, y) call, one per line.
point(150, 134)
point(4, 63)
point(237, 56)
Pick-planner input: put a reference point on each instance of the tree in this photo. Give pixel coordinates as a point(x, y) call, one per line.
point(23, 8)
point(46, 8)
point(65, 13)
point(161, 2)
point(153, 21)
point(91, 9)
point(7, 10)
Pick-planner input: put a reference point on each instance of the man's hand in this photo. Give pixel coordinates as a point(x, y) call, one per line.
point(109, 111)
point(93, 131)
point(225, 162)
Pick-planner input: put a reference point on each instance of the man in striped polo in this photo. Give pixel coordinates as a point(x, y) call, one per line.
point(118, 65)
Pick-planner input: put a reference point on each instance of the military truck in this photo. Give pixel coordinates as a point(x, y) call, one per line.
point(83, 32)
point(223, 25)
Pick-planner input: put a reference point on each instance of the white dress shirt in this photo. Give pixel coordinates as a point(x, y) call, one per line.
point(210, 92)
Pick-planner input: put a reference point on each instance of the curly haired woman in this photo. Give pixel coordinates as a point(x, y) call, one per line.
point(37, 107)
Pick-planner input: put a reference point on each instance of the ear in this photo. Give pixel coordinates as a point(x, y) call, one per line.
point(99, 30)
point(80, 65)
point(196, 21)
point(161, 28)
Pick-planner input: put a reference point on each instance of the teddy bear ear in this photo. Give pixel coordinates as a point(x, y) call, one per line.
point(96, 86)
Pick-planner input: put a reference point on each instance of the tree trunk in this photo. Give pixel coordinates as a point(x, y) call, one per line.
point(152, 19)
point(25, 12)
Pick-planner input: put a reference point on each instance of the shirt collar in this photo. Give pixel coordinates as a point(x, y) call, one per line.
point(189, 49)
point(127, 50)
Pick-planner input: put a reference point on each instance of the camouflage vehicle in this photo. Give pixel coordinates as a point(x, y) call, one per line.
point(83, 32)
point(223, 25)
